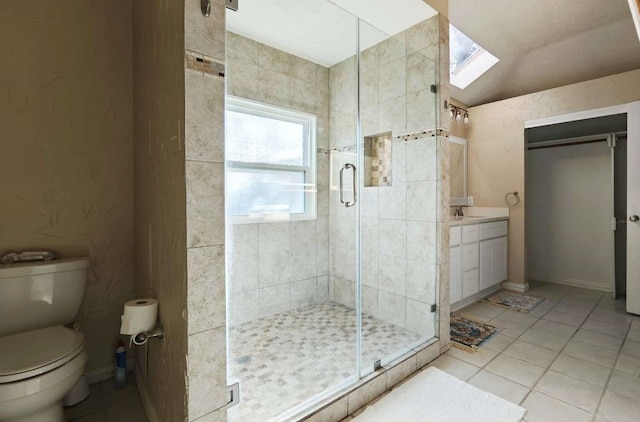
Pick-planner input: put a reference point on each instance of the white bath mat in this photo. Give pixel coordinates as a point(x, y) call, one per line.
point(434, 396)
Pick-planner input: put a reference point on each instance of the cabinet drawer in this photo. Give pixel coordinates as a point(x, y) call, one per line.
point(454, 236)
point(470, 256)
point(470, 283)
point(470, 233)
point(495, 229)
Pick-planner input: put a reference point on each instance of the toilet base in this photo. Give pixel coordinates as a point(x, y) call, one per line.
point(52, 413)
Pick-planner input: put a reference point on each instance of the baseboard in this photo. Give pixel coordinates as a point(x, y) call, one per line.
point(584, 284)
point(515, 287)
point(100, 374)
point(474, 298)
point(105, 372)
point(145, 398)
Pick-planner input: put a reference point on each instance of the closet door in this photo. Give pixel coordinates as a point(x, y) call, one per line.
point(633, 208)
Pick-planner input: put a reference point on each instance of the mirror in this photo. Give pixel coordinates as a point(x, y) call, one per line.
point(458, 170)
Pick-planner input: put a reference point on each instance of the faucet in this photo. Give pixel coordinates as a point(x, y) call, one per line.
point(458, 212)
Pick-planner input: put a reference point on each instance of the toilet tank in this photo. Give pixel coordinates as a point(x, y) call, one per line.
point(40, 294)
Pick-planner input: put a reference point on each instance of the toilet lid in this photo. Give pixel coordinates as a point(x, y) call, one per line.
point(29, 354)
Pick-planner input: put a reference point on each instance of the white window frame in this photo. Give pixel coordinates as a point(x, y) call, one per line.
point(242, 105)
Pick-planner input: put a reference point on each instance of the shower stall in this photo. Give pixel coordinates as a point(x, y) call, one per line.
point(332, 181)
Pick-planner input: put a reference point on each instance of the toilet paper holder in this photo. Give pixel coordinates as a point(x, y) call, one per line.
point(156, 332)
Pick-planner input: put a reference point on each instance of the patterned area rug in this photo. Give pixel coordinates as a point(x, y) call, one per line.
point(514, 301)
point(468, 334)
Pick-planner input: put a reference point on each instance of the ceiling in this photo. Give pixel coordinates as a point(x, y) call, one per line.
point(545, 44)
point(324, 31)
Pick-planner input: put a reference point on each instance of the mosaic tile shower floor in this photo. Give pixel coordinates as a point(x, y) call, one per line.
point(284, 359)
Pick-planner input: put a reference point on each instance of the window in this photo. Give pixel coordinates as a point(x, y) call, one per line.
point(271, 162)
point(468, 60)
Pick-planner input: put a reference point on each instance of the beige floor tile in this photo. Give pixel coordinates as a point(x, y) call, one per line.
point(485, 310)
point(130, 413)
point(635, 323)
point(605, 328)
point(626, 384)
point(555, 328)
point(587, 294)
point(582, 370)
point(577, 301)
point(631, 348)
point(111, 394)
point(92, 404)
point(598, 339)
point(542, 408)
point(479, 358)
point(499, 342)
point(591, 353)
point(611, 317)
point(516, 370)
point(561, 317)
point(546, 340)
point(628, 364)
point(570, 390)
point(94, 417)
point(499, 386)
point(542, 308)
point(634, 335)
point(531, 353)
point(455, 367)
point(516, 318)
point(619, 408)
point(572, 309)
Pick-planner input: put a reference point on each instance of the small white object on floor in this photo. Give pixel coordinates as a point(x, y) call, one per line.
point(435, 396)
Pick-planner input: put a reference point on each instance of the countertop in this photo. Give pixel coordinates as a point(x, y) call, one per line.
point(455, 221)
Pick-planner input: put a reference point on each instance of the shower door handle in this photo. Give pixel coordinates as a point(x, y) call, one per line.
point(355, 185)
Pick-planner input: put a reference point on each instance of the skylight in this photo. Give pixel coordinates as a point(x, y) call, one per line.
point(468, 59)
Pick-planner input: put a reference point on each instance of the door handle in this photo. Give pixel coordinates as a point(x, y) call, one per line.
point(355, 185)
point(634, 218)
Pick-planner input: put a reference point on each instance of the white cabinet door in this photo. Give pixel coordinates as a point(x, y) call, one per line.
point(500, 254)
point(470, 283)
point(455, 275)
point(469, 257)
point(486, 264)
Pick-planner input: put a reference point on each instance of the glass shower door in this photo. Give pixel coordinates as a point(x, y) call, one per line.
point(399, 184)
point(291, 252)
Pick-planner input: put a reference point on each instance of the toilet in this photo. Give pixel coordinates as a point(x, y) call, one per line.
point(40, 358)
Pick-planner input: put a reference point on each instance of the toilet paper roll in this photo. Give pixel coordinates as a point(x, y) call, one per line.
point(139, 316)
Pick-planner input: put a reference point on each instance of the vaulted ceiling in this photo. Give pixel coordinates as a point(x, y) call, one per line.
point(545, 43)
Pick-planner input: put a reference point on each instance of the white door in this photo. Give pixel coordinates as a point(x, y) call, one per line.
point(633, 208)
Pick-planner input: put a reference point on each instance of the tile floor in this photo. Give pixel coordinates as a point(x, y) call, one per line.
point(108, 404)
point(284, 359)
point(575, 357)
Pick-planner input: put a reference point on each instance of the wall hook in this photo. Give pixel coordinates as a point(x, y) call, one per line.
point(205, 5)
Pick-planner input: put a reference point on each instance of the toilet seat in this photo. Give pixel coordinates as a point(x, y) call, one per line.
point(26, 355)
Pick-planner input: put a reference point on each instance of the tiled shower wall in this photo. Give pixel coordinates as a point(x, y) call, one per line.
point(399, 222)
point(279, 266)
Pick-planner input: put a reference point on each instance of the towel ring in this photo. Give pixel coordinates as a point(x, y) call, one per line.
point(512, 199)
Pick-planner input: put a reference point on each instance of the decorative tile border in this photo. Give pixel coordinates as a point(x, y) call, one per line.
point(421, 135)
point(201, 64)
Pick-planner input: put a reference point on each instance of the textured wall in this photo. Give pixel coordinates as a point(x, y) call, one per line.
point(496, 144)
point(160, 197)
point(67, 154)
point(279, 266)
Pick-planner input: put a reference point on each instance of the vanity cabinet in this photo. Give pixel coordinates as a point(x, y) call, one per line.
point(478, 259)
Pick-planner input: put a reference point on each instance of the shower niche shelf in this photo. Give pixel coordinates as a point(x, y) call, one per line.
point(377, 160)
